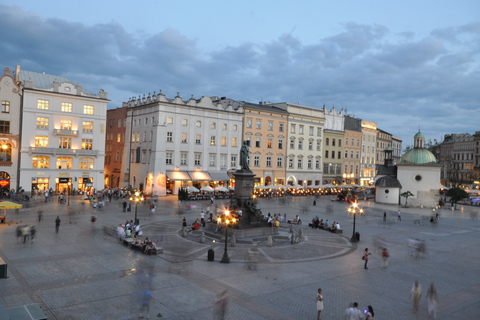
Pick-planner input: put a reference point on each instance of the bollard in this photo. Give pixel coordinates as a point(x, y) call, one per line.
point(269, 241)
point(184, 232)
point(291, 228)
point(202, 237)
point(300, 235)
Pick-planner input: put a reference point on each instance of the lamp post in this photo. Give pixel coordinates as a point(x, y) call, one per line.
point(225, 258)
point(68, 193)
point(354, 209)
point(138, 197)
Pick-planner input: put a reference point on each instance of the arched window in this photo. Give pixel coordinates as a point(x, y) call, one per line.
point(64, 163)
point(40, 162)
point(85, 163)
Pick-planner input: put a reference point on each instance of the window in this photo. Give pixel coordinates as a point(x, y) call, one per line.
point(326, 154)
point(144, 156)
point(346, 141)
point(357, 155)
point(198, 124)
point(88, 126)
point(213, 125)
point(198, 139)
point(258, 124)
point(310, 131)
point(247, 142)
point(6, 152)
point(233, 160)
point(317, 164)
point(119, 137)
point(256, 161)
point(43, 104)
point(300, 144)
point(351, 154)
point(319, 131)
point(169, 120)
point(234, 142)
point(339, 142)
point(169, 137)
point(40, 162)
point(212, 140)
point(339, 155)
point(66, 107)
point(290, 163)
point(269, 161)
point(292, 144)
point(358, 142)
point(146, 120)
point(224, 141)
point(270, 125)
point(333, 142)
point(300, 129)
point(280, 143)
point(5, 106)
point(346, 154)
point(279, 161)
point(223, 160)
point(183, 158)
point(117, 154)
point(184, 137)
point(249, 123)
point(66, 124)
point(310, 145)
point(138, 136)
point(353, 142)
point(269, 143)
point(281, 127)
point(333, 154)
point(132, 156)
point(64, 163)
point(319, 145)
point(197, 159)
point(292, 128)
point(309, 164)
point(42, 123)
point(234, 127)
point(124, 123)
point(85, 164)
point(224, 126)
point(119, 123)
point(87, 144)
point(41, 141)
point(257, 142)
point(299, 163)
point(184, 122)
point(87, 109)
point(327, 141)
point(65, 143)
point(4, 126)
point(213, 159)
point(169, 157)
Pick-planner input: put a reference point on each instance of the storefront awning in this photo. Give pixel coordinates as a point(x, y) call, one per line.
point(219, 176)
point(200, 176)
point(178, 176)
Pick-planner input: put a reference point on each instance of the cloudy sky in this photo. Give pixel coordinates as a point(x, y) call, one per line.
point(403, 64)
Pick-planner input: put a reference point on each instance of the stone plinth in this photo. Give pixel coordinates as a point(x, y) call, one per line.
point(243, 184)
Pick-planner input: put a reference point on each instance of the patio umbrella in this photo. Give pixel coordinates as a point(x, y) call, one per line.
point(207, 189)
point(221, 189)
point(9, 205)
point(280, 186)
point(192, 189)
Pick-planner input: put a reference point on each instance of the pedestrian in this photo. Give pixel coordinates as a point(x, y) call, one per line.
point(202, 218)
point(399, 216)
point(221, 306)
point(385, 256)
point(40, 215)
point(19, 234)
point(93, 219)
point(46, 195)
point(370, 314)
point(25, 233)
point(319, 303)
point(184, 222)
point(353, 313)
point(57, 224)
point(365, 257)
point(33, 231)
point(124, 204)
point(415, 295)
point(384, 215)
point(152, 208)
point(432, 300)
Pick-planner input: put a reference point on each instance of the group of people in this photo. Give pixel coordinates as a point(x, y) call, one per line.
point(351, 313)
point(319, 223)
point(416, 295)
point(27, 233)
point(133, 231)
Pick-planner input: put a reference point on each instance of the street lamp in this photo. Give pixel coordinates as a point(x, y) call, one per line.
point(68, 193)
point(354, 209)
point(225, 258)
point(138, 197)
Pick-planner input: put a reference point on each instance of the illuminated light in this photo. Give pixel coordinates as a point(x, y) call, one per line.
point(227, 222)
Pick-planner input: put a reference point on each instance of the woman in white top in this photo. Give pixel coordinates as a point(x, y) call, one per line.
point(319, 303)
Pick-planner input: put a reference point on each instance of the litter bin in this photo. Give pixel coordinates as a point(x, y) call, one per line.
point(137, 222)
point(211, 255)
point(357, 236)
point(314, 202)
point(3, 269)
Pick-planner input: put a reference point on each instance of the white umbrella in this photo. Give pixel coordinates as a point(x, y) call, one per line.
point(231, 188)
point(328, 186)
point(207, 188)
point(261, 187)
point(192, 189)
point(279, 186)
point(221, 189)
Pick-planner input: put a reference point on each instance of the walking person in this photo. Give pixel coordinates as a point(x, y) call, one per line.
point(124, 205)
point(221, 306)
point(365, 257)
point(57, 224)
point(319, 303)
point(40, 215)
point(432, 300)
point(370, 314)
point(385, 256)
point(19, 234)
point(353, 313)
point(25, 233)
point(384, 216)
point(399, 215)
point(33, 231)
point(415, 295)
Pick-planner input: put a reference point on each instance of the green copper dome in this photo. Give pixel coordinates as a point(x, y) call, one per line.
point(418, 156)
point(419, 135)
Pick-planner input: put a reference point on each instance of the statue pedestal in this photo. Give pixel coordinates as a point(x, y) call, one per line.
point(243, 184)
point(243, 198)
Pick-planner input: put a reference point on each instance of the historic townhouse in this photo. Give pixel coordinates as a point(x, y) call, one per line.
point(114, 145)
point(63, 135)
point(174, 143)
point(305, 141)
point(397, 149)
point(10, 97)
point(384, 140)
point(265, 132)
point(352, 150)
point(367, 170)
point(333, 145)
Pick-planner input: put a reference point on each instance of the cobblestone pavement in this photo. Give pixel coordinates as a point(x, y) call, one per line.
point(81, 273)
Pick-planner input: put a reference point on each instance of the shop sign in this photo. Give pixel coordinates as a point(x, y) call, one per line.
point(4, 183)
point(40, 173)
point(85, 174)
point(63, 180)
point(64, 174)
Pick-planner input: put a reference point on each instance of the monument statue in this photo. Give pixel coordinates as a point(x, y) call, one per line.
point(244, 154)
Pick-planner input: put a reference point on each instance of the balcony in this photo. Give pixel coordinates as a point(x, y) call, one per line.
point(62, 151)
point(65, 132)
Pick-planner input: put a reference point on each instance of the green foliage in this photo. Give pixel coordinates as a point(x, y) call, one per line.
point(457, 194)
point(406, 194)
point(182, 194)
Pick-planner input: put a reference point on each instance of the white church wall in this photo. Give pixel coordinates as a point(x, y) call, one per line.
point(423, 182)
point(387, 195)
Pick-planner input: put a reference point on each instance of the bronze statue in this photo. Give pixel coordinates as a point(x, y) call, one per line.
point(244, 154)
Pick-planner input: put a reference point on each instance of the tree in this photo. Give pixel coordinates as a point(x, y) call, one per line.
point(456, 194)
point(407, 194)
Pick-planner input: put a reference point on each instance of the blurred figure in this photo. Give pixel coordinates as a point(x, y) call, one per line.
point(33, 231)
point(221, 306)
point(57, 224)
point(19, 234)
point(385, 256)
point(432, 300)
point(40, 215)
point(353, 313)
point(25, 233)
point(370, 314)
point(415, 295)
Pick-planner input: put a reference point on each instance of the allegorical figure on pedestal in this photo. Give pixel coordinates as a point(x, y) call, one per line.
point(244, 154)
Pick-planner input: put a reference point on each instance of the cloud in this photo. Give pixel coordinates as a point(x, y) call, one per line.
point(400, 82)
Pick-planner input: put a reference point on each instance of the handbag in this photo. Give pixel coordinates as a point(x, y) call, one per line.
point(363, 257)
